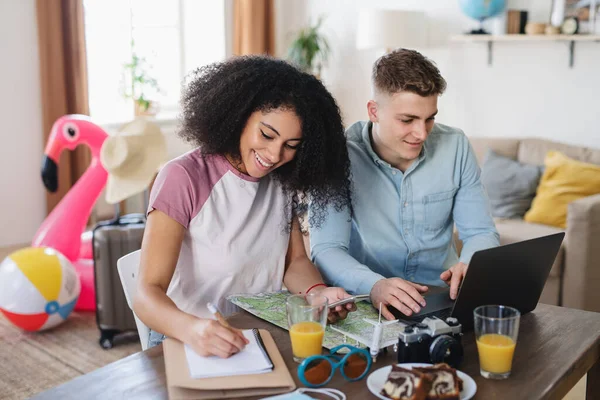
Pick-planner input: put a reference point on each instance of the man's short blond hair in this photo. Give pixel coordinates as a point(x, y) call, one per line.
point(406, 70)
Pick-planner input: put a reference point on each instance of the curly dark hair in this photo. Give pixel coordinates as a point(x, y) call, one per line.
point(220, 98)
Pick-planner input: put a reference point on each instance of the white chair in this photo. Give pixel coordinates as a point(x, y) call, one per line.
point(128, 267)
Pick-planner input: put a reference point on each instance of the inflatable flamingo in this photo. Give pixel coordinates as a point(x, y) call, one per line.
point(63, 229)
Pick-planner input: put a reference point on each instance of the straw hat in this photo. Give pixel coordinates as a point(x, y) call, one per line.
point(132, 158)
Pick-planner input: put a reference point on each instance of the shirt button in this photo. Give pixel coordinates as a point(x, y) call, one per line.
point(393, 172)
point(405, 204)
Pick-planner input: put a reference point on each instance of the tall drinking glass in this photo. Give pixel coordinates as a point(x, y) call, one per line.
point(307, 318)
point(496, 331)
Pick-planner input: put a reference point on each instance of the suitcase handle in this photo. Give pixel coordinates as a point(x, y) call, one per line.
point(134, 218)
point(118, 220)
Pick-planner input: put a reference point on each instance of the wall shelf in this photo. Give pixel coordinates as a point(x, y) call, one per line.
point(490, 39)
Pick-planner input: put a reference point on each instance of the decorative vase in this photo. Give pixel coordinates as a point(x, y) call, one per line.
point(140, 110)
point(557, 15)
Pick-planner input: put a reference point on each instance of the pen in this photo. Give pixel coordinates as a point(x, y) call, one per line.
point(217, 315)
point(213, 309)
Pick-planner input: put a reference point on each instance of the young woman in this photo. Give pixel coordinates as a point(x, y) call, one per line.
point(223, 218)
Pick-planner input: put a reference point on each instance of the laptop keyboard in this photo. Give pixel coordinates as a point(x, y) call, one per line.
point(441, 314)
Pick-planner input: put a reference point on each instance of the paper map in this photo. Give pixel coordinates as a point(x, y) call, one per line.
point(271, 308)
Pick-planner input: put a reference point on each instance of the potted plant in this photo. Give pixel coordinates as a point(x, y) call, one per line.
point(310, 49)
point(142, 86)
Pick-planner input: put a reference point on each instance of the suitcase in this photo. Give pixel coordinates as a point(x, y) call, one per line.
point(112, 240)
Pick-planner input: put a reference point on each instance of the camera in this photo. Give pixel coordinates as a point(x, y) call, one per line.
point(432, 340)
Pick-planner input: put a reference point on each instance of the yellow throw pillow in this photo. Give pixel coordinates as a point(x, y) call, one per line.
point(564, 180)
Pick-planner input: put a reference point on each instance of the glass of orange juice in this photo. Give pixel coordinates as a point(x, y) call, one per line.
point(307, 318)
point(496, 331)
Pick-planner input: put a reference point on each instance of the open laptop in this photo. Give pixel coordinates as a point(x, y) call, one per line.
point(512, 275)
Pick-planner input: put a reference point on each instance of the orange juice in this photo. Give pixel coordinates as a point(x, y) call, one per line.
point(495, 352)
point(307, 338)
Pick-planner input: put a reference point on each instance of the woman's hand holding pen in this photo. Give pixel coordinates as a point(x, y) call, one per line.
point(208, 337)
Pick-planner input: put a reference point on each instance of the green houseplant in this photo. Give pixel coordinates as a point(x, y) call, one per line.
point(310, 49)
point(141, 85)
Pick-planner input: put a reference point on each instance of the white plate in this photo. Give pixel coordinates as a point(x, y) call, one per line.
point(377, 379)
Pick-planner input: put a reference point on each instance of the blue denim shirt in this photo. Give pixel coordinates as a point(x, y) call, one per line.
point(403, 222)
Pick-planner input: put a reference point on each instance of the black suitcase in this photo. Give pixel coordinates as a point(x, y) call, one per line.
point(111, 241)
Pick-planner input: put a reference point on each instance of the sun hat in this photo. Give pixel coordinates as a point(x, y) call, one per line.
point(132, 157)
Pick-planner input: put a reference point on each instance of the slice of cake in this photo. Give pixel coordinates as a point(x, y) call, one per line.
point(406, 384)
point(445, 384)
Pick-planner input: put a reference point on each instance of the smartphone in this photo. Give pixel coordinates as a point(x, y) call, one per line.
point(352, 299)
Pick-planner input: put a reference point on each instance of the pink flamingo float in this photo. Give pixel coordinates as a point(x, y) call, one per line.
point(64, 227)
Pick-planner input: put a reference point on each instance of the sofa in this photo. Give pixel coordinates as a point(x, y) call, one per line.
point(574, 280)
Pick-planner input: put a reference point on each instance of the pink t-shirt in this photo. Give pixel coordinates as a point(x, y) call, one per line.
point(235, 241)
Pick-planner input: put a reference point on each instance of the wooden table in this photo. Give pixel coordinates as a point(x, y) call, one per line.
point(556, 347)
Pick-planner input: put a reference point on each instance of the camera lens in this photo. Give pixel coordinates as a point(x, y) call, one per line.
point(446, 349)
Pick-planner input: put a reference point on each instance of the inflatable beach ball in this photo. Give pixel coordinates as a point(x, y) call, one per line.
point(38, 288)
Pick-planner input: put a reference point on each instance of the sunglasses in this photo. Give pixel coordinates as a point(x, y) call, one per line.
point(317, 371)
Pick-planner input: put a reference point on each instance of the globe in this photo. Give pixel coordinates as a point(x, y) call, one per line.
point(481, 10)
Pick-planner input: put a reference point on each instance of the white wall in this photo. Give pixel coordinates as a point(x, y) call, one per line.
point(528, 91)
point(22, 198)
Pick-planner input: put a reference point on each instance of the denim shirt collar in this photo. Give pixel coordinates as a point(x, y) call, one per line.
point(366, 139)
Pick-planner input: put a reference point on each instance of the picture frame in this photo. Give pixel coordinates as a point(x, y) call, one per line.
point(580, 9)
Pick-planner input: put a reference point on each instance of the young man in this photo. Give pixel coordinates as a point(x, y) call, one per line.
point(413, 179)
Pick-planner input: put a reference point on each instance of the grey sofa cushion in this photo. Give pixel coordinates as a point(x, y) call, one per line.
point(510, 185)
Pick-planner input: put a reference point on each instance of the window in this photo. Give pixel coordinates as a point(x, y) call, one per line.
point(173, 36)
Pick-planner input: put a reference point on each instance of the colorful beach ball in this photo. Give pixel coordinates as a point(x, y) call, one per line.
point(38, 288)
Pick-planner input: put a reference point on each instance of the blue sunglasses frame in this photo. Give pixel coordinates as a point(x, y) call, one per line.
point(336, 362)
